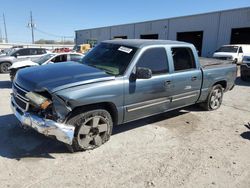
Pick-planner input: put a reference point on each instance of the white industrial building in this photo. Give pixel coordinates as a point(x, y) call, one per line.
point(206, 31)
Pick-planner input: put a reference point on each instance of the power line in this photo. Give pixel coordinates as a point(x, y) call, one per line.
point(54, 35)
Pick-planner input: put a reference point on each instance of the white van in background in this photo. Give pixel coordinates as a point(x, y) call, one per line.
point(232, 52)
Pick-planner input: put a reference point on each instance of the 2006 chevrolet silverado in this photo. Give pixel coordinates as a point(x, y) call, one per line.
point(117, 82)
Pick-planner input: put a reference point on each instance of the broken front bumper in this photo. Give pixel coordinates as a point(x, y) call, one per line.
point(62, 132)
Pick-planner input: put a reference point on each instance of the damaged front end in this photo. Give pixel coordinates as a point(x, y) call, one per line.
point(44, 112)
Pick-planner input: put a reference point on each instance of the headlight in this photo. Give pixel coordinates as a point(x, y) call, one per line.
point(38, 100)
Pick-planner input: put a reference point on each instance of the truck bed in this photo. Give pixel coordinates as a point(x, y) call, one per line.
point(207, 63)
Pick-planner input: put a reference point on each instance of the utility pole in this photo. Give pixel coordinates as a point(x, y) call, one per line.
point(1, 36)
point(5, 29)
point(32, 26)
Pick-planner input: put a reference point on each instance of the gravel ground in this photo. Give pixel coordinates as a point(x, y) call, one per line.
point(184, 148)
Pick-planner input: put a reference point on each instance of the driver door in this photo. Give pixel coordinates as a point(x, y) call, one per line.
point(144, 97)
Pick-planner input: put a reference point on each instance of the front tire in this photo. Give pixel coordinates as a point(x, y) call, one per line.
point(214, 99)
point(92, 129)
point(4, 67)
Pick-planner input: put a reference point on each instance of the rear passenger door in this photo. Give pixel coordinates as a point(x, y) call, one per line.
point(186, 77)
point(144, 97)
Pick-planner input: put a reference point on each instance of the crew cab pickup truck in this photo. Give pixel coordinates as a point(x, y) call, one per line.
point(118, 81)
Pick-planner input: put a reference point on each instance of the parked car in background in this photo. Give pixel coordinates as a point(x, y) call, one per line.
point(82, 48)
point(245, 67)
point(44, 60)
point(233, 52)
point(18, 55)
point(118, 81)
point(61, 50)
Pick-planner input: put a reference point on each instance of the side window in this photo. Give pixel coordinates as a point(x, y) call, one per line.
point(240, 50)
point(33, 52)
point(22, 52)
point(75, 57)
point(59, 58)
point(154, 59)
point(183, 58)
point(41, 51)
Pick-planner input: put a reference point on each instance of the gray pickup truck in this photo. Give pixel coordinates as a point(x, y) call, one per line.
point(118, 81)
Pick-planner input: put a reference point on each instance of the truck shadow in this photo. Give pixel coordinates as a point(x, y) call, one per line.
point(17, 143)
point(246, 135)
point(5, 84)
point(153, 119)
point(240, 82)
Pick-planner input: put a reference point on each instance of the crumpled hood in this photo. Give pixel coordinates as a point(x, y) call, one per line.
point(55, 77)
point(20, 64)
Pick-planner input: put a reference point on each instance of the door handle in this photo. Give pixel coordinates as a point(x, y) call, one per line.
point(194, 78)
point(167, 83)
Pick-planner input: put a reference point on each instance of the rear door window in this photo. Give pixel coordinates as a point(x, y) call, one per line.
point(41, 51)
point(59, 58)
point(33, 52)
point(183, 59)
point(154, 59)
point(75, 57)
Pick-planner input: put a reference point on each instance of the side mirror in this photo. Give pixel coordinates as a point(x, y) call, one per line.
point(16, 55)
point(143, 73)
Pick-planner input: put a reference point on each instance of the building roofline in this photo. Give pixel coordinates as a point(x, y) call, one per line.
point(167, 19)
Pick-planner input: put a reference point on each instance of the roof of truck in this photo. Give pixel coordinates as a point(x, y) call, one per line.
point(139, 43)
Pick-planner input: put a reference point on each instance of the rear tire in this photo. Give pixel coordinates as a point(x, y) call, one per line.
point(214, 99)
point(4, 67)
point(92, 129)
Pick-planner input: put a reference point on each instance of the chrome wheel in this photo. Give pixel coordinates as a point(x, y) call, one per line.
point(216, 99)
point(92, 132)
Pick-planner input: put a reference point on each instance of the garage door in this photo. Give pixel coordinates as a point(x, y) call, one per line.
point(194, 37)
point(240, 36)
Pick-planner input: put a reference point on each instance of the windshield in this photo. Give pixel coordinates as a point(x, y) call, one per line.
point(231, 49)
point(112, 58)
point(11, 51)
point(44, 58)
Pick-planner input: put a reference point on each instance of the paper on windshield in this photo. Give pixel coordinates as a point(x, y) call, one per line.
point(125, 49)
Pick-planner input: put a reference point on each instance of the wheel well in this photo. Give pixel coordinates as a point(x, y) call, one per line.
point(223, 83)
point(110, 107)
point(5, 62)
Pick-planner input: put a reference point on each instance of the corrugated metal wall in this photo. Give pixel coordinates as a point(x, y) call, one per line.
point(123, 30)
point(216, 28)
point(229, 20)
point(208, 23)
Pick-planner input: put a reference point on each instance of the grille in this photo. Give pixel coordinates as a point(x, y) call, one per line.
point(19, 97)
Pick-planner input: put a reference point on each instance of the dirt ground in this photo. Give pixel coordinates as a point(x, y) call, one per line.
point(184, 148)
